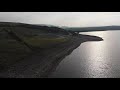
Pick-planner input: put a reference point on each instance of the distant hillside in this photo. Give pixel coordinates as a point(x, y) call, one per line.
point(85, 29)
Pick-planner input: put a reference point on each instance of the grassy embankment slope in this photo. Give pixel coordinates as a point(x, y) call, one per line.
point(18, 40)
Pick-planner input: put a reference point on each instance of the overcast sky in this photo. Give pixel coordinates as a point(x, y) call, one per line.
point(72, 19)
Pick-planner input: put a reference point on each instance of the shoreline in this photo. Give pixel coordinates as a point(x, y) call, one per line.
point(40, 65)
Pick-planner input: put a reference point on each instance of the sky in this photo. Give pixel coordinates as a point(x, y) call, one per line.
point(70, 19)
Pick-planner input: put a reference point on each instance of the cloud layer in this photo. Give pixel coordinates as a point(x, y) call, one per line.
point(73, 19)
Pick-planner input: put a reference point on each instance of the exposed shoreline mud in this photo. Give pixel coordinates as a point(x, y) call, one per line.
point(41, 64)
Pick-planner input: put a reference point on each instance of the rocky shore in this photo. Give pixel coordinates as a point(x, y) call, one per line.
point(43, 62)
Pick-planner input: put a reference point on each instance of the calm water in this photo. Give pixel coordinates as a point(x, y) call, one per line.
point(96, 59)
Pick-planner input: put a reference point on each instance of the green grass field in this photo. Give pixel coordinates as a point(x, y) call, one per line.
point(45, 42)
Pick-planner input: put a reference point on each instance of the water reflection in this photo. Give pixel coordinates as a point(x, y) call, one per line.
point(97, 63)
point(93, 59)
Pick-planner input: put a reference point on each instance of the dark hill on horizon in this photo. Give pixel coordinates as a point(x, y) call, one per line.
point(87, 29)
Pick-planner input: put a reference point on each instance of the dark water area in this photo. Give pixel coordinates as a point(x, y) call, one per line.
point(93, 59)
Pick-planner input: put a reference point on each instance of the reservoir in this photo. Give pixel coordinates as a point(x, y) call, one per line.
point(93, 59)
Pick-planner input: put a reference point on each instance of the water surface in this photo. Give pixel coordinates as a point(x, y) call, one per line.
point(94, 59)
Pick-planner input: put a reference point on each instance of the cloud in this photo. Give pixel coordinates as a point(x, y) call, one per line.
point(63, 18)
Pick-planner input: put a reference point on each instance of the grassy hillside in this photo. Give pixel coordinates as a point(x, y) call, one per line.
point(32, 33)
point(19, 40)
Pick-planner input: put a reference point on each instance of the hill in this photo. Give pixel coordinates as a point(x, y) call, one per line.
point(28, 50)
point(19, 40)
point(86, 29)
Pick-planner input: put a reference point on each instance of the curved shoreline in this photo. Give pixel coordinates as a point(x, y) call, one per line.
point(40, 65)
